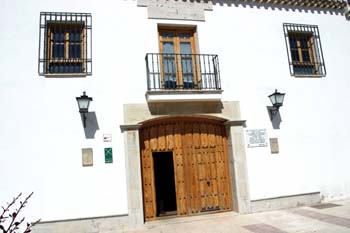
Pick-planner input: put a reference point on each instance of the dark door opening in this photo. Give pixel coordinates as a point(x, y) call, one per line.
point(165, 183)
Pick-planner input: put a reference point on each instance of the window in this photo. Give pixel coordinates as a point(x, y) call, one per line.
point(304, 50)
point(178, 65)
point(177, 58)
point(65, 44)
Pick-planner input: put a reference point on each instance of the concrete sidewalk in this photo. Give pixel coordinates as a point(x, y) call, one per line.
point(324, 218)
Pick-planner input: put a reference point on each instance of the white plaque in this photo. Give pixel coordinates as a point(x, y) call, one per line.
point(107, 137)
point(87, 157)
point(274, 146)
point(256, 137)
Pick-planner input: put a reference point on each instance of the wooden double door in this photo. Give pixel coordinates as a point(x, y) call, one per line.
point(200, 176)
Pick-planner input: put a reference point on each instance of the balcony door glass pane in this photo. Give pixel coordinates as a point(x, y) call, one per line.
point(169, 68)
point(186, 64)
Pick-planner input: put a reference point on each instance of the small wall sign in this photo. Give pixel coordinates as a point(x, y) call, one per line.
point(107, 137)
point(108, 155)
point(87, 157)
point(256, 137)
point(274, 145)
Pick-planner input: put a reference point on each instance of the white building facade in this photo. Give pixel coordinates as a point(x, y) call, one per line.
point(186, 80)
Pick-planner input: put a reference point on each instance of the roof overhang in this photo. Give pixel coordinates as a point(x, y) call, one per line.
point(323, 4)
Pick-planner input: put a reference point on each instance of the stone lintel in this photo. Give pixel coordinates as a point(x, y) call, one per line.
point(128, 127)
point(236, 123)
point(176, 9)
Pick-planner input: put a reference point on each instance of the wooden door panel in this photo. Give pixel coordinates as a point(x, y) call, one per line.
point(201, 172)
point(169, 137)
point(179, 171)
point(161, 138)
point(214, 185)
point(195, 184)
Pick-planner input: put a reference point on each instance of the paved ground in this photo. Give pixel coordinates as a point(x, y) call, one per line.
point(325, 218)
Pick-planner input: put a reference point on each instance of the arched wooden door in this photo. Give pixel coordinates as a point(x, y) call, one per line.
point(200, 163)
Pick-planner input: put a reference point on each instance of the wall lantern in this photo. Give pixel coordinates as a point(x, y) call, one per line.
point(83, 103)
point(276, 99)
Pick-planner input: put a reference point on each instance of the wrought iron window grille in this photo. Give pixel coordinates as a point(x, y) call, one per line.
point(65, 44)
point(304, 50)
point(168, 71)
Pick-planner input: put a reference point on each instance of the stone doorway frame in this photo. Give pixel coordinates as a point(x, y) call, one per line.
point(135, 114)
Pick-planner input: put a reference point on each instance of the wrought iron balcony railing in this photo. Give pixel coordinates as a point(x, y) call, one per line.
point(167, 71)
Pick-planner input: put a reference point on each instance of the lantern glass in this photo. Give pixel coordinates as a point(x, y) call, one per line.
point(277, 98)
point(84, 102)
point(273, 99)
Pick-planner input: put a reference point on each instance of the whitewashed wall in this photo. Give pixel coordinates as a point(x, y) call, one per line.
point(42, 134)
point(312, 136)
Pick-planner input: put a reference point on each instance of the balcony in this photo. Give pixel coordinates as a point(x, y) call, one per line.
point(182, 77)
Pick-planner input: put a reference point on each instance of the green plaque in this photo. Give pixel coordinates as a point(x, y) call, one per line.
point(108, 155)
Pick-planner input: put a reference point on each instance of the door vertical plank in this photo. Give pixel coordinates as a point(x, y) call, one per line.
point(180, 170)
point(227, 176)
point(220, 167)
point(161, 138)
point(202, 178)
point(195, 184)
point(204, 135)
point(196, 136)
point(187, 151)
point(214, 182)
point(154, 138)
point(169, 137)
point(147, 171)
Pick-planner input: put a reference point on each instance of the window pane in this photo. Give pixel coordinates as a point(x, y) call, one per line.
point(168, 47)
point(295, 55)
point(169, 71)
point(303, 43)
point(303, 70)
point(58, 36)
point(186, 63)
point(306, 56)
point(75, 51)
point(66, 67)
point(74, 36)
point(167, 35)
point(169, 65)
point(185, 48)
point(293, 42)
point(58, 51)
point(185, 35)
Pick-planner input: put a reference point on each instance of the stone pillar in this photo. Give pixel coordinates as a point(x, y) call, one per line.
point(133, 174)
point(238, 167)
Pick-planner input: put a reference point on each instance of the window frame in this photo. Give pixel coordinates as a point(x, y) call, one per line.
point(312, 50)
point(67, 24)
point(177, 40)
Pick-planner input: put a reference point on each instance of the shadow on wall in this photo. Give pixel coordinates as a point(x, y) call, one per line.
point(275, 119)
point(91, 124)
point(266, 6)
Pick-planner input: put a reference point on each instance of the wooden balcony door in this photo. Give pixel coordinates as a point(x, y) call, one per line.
point(177, 47)
point(198, 149)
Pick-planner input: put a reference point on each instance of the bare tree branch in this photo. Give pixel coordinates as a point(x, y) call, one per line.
point(14, 224)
